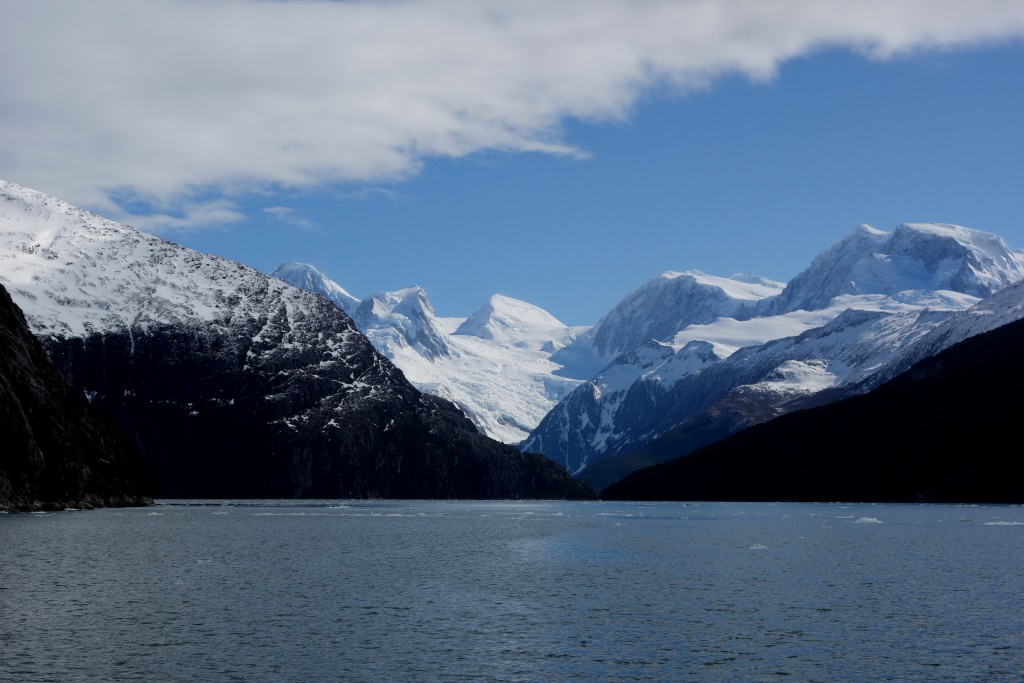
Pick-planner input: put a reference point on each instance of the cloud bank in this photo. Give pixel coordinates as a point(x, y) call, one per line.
point(113, 103)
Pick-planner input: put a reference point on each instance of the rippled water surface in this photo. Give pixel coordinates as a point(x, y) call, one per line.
point(457, 591)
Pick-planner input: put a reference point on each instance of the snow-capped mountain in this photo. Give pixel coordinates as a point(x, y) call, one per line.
point(657, 310)
point(504, 319)
point(401, 320)
point(233, 383)
point(899, 285)
point(915, 259)
point(307, 277)
point(495, 365)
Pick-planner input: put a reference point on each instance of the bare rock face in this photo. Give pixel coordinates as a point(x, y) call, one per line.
point(56, 453)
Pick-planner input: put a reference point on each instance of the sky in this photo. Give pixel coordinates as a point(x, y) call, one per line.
point(560, 153)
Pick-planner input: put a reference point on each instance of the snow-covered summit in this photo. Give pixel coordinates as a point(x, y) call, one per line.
point(740, 286)
point(658, 309)
point(75, 273)
point(503, 318)
point(914, 257)
point(305, 276)
point(407, 316)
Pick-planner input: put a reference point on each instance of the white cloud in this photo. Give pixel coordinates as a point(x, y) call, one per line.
point(290, 216)
point(163, 99)
point(191, 216)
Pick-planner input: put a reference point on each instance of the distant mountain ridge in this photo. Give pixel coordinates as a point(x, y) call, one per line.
point(914, 258)
point(891, 278)
point(235, 384)
point(495, 364)
point(666, 360)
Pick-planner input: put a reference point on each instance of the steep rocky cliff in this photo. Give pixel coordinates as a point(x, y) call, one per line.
point(54, 451)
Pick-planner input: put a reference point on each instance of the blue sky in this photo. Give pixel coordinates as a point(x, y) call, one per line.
point(743, 177)
point(745, 155)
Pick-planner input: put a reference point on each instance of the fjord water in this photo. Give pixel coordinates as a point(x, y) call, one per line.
point(537, 591)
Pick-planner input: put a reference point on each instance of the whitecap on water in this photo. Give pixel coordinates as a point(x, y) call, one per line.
point(868, 520)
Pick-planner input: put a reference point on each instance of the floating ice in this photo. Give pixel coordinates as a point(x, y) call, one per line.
point(868, 520)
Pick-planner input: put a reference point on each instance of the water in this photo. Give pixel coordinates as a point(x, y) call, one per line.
point(457, 591)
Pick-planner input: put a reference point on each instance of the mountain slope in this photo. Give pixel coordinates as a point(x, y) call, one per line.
point(944, 431)
point(56, 452)
point(1002, 308)
point(233, 383)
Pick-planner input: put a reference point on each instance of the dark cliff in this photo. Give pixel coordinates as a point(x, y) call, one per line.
point(54, 451)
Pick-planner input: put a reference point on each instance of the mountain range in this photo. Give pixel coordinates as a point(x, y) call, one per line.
point(494, 364)
point(234, 384)
point(689, 358)
point(854, 310)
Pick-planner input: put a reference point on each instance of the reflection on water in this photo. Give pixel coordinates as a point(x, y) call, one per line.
point(456, 591)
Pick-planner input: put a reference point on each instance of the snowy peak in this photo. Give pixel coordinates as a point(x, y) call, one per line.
point(83, 273)
point(407, 316)
point(495, 368)
point(915, 257)
point(393, 320)
point(740, 286)
point(964, 260)
point(305, 276)
point(658, 309)
point(506, 319)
